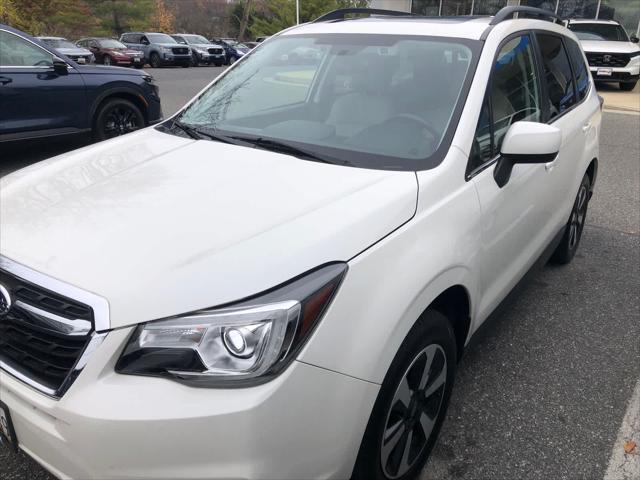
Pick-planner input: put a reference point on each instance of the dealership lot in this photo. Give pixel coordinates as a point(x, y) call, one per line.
point(543, 390)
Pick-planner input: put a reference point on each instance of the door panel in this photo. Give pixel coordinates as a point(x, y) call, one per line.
point(34, 97)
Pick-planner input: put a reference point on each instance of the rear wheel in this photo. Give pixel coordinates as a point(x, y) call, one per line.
point(411, 405)
point(154, 60)
point(106, 60)
point(117, 117)
point(568, 246)
point(628, 86)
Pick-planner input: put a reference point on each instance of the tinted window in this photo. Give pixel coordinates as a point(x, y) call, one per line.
point(131, 38)
point(513, 95)
point(160, 38)
point(557, 72)
point(579, 68)
point(17, 52)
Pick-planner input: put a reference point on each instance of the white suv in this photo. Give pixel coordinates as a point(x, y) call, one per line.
point(612, 55)
point(278, 282)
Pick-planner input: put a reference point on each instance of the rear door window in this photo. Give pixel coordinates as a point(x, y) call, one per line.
point(557, 74)
point(579, 68)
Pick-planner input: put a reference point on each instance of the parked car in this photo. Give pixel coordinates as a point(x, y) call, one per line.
point(612, 55)
point(278, 282)
point(44, 95)
point(261, 39)
point(159, 49)
point(202, 50)
point(251, 45)
point(112, 52)
point(233, 50)
point(65, 47)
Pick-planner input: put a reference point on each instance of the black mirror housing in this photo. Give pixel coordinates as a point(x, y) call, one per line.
point(60, 66)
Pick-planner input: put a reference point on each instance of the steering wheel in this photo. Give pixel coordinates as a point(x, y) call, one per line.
point(435, 136)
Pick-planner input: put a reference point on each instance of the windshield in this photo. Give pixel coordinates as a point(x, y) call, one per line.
point(59, 43)
point(160, 38)
point(599, 32)
point(370, 100)
point(240, 45)
point(111, 44)
point(195, 39)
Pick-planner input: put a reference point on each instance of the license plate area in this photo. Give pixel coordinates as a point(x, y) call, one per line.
point(7, 432)
point(604, 72)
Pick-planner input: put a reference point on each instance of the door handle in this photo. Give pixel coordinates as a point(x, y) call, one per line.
point(586, 127)
point(5, 80)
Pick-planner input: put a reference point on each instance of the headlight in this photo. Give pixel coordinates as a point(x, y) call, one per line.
point(166, 50)
point(241, 345)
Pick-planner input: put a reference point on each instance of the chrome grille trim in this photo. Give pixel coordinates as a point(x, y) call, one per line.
point(99, 304)
point(57, 323)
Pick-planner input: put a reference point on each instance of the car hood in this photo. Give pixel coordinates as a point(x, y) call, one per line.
point(596, 46)
point(74, 51)
point(102, 69)
point(204, 45)
point(161, 225)
point(172, 45)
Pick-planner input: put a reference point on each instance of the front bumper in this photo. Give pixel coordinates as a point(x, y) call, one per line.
point(174, 59)
point(211, 57)
point(630, 73)
point(306, 423)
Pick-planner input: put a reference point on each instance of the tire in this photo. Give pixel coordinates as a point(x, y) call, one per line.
point(154, 60)
point(430, 342)
point(106, 60)
point(138, 67)
point(232, 60)
point(194, 61)
point(218, 64)
point(116, 117)
point(570, 242)
point(628, 86)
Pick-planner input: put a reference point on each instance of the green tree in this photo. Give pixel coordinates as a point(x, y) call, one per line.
point(118, 16)
point(281, 14)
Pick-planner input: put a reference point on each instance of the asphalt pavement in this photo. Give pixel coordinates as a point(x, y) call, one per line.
point(542, 390)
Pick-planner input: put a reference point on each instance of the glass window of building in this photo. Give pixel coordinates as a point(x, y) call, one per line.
point(578, 9)
point(545, 4)
point(627, 12)
point(488, 7)
point(426, 7)
point(456, 7)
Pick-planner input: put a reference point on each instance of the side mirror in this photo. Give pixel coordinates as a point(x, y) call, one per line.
point(634, 39)
point(60, 66)
point(526, 142)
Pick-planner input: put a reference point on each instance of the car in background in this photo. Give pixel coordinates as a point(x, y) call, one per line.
point(261, 39)
point(65, 47)
point(45, 95)
point(613, 56)
point(158, 49)
point(252, 45)
point(233, 50)
point(202, 50)
point(108, 51)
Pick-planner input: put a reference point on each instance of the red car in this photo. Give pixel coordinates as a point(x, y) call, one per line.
point(111, 52)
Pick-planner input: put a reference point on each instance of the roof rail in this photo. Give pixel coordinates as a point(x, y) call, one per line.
point(508, 12)
point(341, 13)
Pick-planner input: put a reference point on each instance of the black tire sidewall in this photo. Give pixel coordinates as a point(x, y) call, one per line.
point(432, 328)
point(100, 116)
point(563, 254)
point(154, 60)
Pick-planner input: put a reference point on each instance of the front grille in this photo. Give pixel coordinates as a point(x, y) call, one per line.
point(30, 344)
point(608, 59)
point(215, 51)
point(180, 50)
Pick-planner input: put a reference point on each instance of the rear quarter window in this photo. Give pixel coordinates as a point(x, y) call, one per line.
point(557, 74)
point(579, 67)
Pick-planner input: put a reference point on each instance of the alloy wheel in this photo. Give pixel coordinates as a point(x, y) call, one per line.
point(413, 412)
point(120, 120)
point(578, 216)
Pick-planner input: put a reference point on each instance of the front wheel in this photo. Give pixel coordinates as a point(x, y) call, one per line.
point(117, 117)
point(628, 86)
point(568, 246)
point(411, 405)
point(106, 60)
point(154, 60)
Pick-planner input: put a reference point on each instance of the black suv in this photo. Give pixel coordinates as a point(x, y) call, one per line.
point(44, 95)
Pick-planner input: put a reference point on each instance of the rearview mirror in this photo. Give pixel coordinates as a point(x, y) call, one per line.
point(526, 142)
point(60, 66)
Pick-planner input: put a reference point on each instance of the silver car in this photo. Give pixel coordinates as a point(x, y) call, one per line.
point(69, 49)
point(613, 56)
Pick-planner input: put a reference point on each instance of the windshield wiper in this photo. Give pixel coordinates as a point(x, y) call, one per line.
point(287, 148)
point(198, 134)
